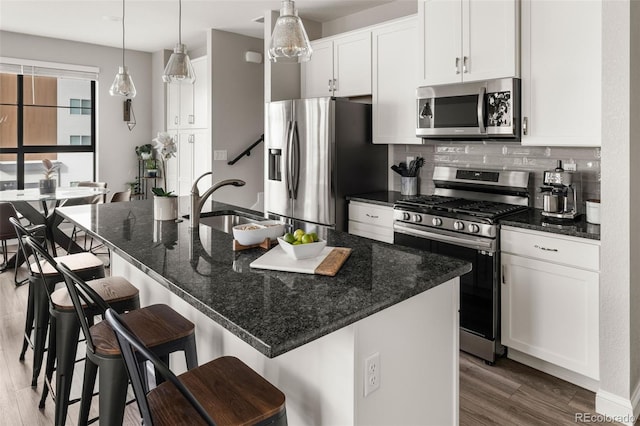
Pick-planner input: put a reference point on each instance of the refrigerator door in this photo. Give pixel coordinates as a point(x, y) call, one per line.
point(278, 136)
point(312, 160)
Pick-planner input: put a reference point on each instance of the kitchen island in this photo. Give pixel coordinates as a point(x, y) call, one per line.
point(309, 335)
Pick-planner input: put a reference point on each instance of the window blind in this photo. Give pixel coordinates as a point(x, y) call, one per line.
point(47, 69)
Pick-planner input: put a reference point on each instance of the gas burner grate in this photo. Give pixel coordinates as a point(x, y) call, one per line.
point(427, 200)
point(487, 208)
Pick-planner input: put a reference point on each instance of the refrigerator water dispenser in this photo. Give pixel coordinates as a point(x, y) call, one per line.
point(275, 155)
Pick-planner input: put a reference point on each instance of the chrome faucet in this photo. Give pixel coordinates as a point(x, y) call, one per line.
point(197, 201)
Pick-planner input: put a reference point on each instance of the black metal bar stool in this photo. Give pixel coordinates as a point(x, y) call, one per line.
point(162, 329)
point(224, 391)
point(64, 328)
point(42, 281)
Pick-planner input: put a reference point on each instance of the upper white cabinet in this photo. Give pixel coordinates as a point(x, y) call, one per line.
point(187, 103)
point(468, 40)
point(395, 78)
point(339, 66)
point(561, 73)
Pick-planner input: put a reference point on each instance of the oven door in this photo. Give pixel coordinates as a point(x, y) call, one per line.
point(479, 296)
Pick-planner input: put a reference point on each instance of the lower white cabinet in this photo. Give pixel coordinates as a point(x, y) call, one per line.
point(371, 221)
point(550, 299)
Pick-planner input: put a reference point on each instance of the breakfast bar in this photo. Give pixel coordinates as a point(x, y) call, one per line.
point(309, 335)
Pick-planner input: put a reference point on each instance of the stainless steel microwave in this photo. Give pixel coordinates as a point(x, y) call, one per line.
point(487, 109)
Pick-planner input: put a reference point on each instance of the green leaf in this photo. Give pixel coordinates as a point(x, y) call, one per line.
point(160, 192)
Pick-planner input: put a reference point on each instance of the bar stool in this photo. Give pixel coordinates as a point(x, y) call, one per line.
point(42, 281)
point(64, 328)
point(224, 391)
point(8, 232)
point(162, 329)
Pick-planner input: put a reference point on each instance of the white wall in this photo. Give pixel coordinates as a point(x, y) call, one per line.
point(237, 111)
point(620, 275)
point(116, 158)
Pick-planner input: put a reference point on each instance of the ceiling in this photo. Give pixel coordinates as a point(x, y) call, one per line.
point(152, 25)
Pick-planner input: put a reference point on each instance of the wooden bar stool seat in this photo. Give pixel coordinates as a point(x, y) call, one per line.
point(165, 331)
point(224, 391)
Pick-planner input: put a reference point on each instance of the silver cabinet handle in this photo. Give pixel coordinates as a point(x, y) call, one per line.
point(371, 216)
point(545, 248)
point(465, 64)
point(502, 274)
point(175, 120)
point(191, 119)
point(335, 85)
point(192, 138)
point(457, 65)
point(330, 85)
point(525, 126)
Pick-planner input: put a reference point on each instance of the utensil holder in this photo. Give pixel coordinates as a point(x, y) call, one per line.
point(409, 185)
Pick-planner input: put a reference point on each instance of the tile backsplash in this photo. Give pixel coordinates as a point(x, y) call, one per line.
point(503, 156)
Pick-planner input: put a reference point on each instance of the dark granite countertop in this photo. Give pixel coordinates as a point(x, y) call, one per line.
point(272, 311)
point(383, 198)
point(533, 219)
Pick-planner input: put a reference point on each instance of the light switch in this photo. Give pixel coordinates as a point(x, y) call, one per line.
point(220, 155)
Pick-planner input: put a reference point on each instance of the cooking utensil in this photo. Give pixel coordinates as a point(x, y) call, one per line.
point(414, 167)
point(398, 170)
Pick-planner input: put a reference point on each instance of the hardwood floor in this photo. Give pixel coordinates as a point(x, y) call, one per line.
point(507, 393)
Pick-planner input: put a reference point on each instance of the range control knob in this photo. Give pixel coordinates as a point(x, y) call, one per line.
point(436, 221)
point(474, 229)
point(406, 216)
point(458, 226)
point(417, 218)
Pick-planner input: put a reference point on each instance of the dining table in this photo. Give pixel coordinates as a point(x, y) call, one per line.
point(39, 209)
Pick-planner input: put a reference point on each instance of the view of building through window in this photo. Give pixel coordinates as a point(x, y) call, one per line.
point(45, 117)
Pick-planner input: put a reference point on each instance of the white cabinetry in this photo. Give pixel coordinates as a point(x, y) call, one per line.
point(188, 122)
point(465, 40)
point(371, 220)
point(339, 66)
point(395, 78)
point(561, 73)
point(550, 286)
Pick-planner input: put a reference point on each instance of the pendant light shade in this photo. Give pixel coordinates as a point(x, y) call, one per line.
point(179, 68)
point(289, 41)
point(123, 83)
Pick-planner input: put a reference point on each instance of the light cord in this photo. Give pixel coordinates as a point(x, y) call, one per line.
point(123, 35)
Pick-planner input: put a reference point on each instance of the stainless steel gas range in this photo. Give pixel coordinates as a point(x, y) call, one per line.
point(460, 220)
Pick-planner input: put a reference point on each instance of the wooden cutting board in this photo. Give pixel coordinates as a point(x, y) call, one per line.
point(328, 262)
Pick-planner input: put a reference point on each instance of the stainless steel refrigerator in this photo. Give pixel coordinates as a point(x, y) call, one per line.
point(318, 151)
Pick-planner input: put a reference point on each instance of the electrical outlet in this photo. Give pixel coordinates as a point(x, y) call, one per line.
point(371, 373)
point(220, 155)
point(570, 167)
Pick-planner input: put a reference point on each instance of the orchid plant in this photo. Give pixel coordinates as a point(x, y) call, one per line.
point(166, 148)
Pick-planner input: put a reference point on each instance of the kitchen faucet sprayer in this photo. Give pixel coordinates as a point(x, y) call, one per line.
point(197, 201)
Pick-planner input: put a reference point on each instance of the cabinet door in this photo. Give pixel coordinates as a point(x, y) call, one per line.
point(187, 116)
point(202, 158)
point(317, 74)
point(173, 106)
point(185, 163)
point(550, 312)
point(394, 83)
point(200, 94)
point(441, 41)
point(561, 73)
point(352, 64)
point(490, 39)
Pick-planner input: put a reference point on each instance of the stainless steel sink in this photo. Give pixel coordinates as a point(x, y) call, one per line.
point(225, 222)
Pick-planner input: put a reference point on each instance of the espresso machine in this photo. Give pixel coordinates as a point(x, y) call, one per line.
point(560, 195)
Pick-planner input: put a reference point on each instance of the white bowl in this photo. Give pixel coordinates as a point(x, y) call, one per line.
point(249, 234)
point(302, 251)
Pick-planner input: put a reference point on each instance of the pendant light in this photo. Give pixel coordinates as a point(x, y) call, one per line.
point(179, 68)
point(289, 41)
point(123, 84)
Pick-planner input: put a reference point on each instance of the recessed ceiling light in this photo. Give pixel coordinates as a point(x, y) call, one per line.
point(112, 18)
point(259, 19)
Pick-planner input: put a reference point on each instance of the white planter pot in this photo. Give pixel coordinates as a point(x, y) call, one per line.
point(165, 208)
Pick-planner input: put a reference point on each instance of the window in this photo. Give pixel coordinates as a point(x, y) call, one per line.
point(46, 113)
point(80, 106)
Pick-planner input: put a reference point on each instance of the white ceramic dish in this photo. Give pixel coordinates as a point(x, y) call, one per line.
point(249, 234)
point(302, 251)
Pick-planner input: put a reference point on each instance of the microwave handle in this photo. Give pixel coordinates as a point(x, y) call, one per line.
point(481, 95)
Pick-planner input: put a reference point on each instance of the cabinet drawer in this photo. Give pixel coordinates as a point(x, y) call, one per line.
point(371, 213)
point(564, 250)
point(380, 233)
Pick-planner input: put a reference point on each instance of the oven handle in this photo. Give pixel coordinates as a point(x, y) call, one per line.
point(477, 244)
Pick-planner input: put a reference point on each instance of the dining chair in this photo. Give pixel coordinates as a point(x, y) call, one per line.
point(8, 232)
point(121, 196)
point(223, 391)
